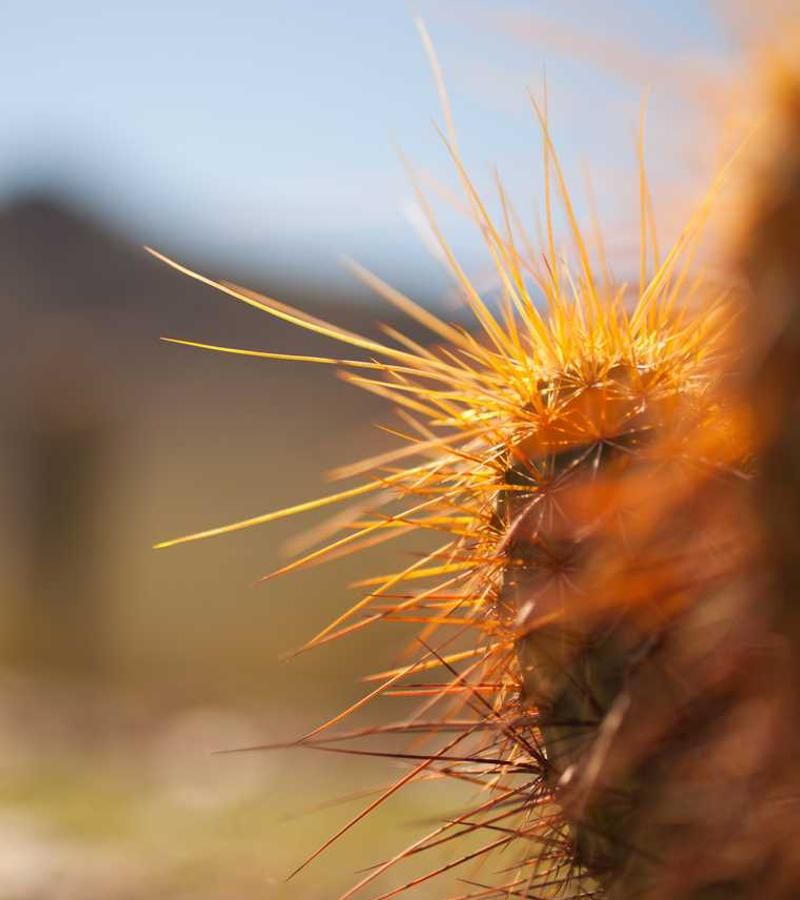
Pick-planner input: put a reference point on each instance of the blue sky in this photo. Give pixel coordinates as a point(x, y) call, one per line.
point(264, 133)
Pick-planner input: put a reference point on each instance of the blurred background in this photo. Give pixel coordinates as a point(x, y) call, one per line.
point(256, 141)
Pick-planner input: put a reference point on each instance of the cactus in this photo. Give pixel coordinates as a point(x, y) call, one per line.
point(617, 481)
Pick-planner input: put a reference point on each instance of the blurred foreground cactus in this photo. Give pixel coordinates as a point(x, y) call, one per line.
point(616, 482)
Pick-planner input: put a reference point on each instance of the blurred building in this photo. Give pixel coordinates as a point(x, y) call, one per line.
point(112, 440)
